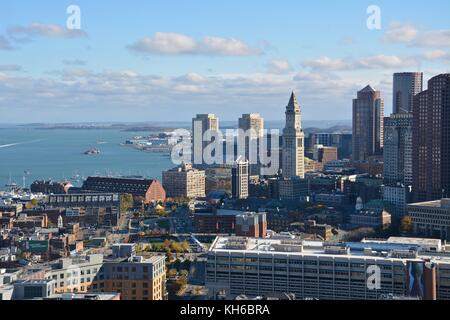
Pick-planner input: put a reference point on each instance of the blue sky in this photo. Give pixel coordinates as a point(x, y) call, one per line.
point(167, 60)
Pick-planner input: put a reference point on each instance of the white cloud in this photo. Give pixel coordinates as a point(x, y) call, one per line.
point(384, 61)
point(371, 62)
point(435, 38)
point(279, 66)
point(170, 43)
point(326, 63)
point(436, 55)
point(176, 97)
point(43, 30)
point(403, 33)
point(412, 36)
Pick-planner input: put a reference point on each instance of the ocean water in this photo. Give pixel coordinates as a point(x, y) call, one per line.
point(58, 154)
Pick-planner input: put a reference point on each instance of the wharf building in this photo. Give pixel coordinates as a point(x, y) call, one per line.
point(150, 190)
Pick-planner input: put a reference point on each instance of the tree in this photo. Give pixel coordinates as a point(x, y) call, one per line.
point(169, 256)
point(126, 202)
point(359, 234)
point(179, 285)
point(184, 273)
point(406, 224)
point(172, 273)
point(185, 246)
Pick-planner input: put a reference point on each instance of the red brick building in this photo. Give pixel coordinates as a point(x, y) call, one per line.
point(149, 189)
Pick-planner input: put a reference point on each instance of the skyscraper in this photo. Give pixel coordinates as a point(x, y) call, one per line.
point(252, 125)
point(200, 124)
point(406, 86)
point(252, 121)
point(239, 179)
point(431, 140)
point(397, 156)
point(293, 141)
point(368, 113)
point(397, 148)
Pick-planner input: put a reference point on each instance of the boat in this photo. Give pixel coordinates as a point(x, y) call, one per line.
point(11, 185)
point(92, 152)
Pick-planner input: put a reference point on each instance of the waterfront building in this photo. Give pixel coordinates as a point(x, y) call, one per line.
point(150, 190)
point(201, 124)
point(184, 181)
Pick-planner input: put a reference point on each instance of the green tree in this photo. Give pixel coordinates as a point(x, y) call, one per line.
point(126, 202)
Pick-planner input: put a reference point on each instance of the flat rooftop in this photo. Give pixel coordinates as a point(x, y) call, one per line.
point(378, 248)
point(443, 203)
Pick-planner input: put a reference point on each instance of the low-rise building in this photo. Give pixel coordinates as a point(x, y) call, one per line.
point(431, 218)
point(135, 278)
point(251, 224)
point(398, 196)
point(370, 218)
point(50, 187)
point(293, 189)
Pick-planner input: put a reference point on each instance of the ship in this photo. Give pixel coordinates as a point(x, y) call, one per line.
point(92, 152)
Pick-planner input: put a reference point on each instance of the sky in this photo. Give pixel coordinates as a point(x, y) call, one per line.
point(167, 60)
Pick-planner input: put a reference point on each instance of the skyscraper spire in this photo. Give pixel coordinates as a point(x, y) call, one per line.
point(293, 141)
point(293, 102)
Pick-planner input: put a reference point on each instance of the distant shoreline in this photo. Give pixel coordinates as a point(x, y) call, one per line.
point(170, 126)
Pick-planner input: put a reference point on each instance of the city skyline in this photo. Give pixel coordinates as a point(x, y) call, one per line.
point(188, 151)
point(175, 64)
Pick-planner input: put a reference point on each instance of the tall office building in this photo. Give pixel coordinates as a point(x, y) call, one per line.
point(293, 164)
point(239, 179)
point(397, 149)
point(406, 86)
point(397, 158)
point(253, 126)
point(200, 124)
point(252, 121)
point(368, 113)
point(431, 140)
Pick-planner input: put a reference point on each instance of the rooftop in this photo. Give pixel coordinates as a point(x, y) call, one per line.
point(393, 248)
point(443, 203)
